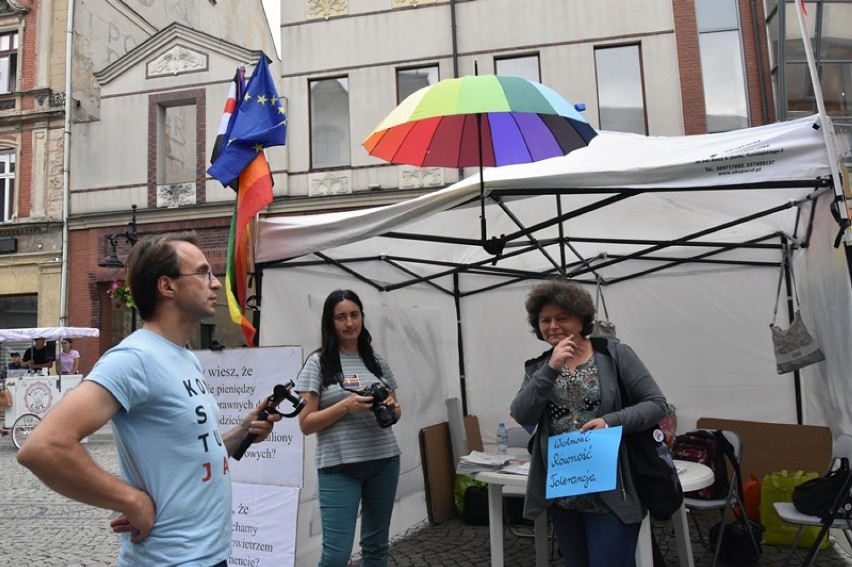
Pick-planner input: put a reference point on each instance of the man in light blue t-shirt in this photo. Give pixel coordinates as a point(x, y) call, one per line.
point(174, 495)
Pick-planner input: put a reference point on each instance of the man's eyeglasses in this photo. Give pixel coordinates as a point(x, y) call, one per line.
point(206, 273)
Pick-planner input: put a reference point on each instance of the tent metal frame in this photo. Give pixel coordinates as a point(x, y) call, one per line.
point(523, 241)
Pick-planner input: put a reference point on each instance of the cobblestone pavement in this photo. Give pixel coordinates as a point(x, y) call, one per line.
point(39, 527)
point(455, 544)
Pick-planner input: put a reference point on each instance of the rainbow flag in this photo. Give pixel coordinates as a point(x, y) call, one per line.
point(255, 192)
point(253, 120)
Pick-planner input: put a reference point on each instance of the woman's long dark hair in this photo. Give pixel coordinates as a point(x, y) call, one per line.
point(330, 369)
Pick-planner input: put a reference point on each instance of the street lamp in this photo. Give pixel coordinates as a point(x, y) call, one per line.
point(112, 262)
point(129, 235)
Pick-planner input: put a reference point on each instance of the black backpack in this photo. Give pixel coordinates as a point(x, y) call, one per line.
point(701, 446)
point(817, 496)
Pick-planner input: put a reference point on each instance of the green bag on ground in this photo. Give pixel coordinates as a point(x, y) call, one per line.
point(461, 485)
point(778, 487)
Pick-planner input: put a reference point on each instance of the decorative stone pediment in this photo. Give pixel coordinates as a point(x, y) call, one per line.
point(177, 60)
point(174, 50)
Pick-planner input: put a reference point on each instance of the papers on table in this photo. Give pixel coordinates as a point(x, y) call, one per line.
point(478, 461)
point(519, 467)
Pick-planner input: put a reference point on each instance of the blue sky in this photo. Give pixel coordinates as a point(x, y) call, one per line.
point(273, 13)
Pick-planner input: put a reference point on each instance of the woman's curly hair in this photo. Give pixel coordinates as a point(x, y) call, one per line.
point(570, 296)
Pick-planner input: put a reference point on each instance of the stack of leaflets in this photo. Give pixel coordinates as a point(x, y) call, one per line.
point(478, 461)
point(517, 467)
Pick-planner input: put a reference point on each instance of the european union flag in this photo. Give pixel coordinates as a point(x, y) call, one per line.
point(260, 123)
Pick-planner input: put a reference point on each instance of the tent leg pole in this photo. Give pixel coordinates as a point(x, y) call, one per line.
point(848, 249)
point(788, 284)
point(462, 378)
point(561, 233)
point(255, 317)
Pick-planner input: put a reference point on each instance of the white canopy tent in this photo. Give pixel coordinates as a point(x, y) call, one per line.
point(50, 333)
point(687, 234)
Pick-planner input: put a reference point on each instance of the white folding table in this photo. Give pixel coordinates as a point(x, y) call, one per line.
point(693, 476)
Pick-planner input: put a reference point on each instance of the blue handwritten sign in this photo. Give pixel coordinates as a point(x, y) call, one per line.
point(582, 462)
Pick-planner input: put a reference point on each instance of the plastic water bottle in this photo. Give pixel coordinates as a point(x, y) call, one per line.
point(502, 439)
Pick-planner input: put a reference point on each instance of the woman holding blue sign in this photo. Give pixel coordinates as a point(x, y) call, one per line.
point(573, 386)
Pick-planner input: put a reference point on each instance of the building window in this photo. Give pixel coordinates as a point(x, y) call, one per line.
point(621, 97)
point(7, 184)
point(176, 158)
point(207, 332)
point(722, 65)
point(176, 155)
point(329, 122)
point(525, 66)
point(18, 312)
point(835, 56)
point(8, 61)
point(411, 80)
point(828, 31)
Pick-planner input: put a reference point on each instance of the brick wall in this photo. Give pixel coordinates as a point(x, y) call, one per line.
point(756, 55)
point(88, 304)
point(689, 63)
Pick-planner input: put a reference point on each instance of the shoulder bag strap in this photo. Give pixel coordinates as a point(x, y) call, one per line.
point(601, 345)
point(600, 300)
point(785, 261)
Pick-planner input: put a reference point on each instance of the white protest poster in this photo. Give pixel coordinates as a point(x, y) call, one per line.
point(239, 379)
point(581, 462)
point(263, 525)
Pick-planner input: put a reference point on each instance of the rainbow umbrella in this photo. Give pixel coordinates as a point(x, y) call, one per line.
point(479, 120)
point(521, 122)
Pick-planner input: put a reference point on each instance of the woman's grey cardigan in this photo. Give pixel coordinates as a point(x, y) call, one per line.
point(649, 407)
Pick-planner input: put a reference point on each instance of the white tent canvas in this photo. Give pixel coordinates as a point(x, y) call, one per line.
point(686, 232)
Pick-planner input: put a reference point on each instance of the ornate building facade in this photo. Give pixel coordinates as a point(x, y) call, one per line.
point(32, 110)
point(147, 81)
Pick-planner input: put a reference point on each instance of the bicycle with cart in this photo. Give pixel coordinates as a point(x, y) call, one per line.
point(27, 395)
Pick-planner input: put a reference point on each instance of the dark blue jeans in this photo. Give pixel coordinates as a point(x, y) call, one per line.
point(372, 484)
point(594, 540)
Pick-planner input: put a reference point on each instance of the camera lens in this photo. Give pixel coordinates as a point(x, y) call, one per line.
point(385, 416)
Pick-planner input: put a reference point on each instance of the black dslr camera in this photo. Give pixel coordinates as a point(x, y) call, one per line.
point(385, 416)
point(279, 393)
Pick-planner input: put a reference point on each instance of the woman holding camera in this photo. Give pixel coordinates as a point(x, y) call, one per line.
point(349, 390)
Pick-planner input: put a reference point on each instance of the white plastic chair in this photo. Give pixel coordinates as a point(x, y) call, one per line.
point(787, 511)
